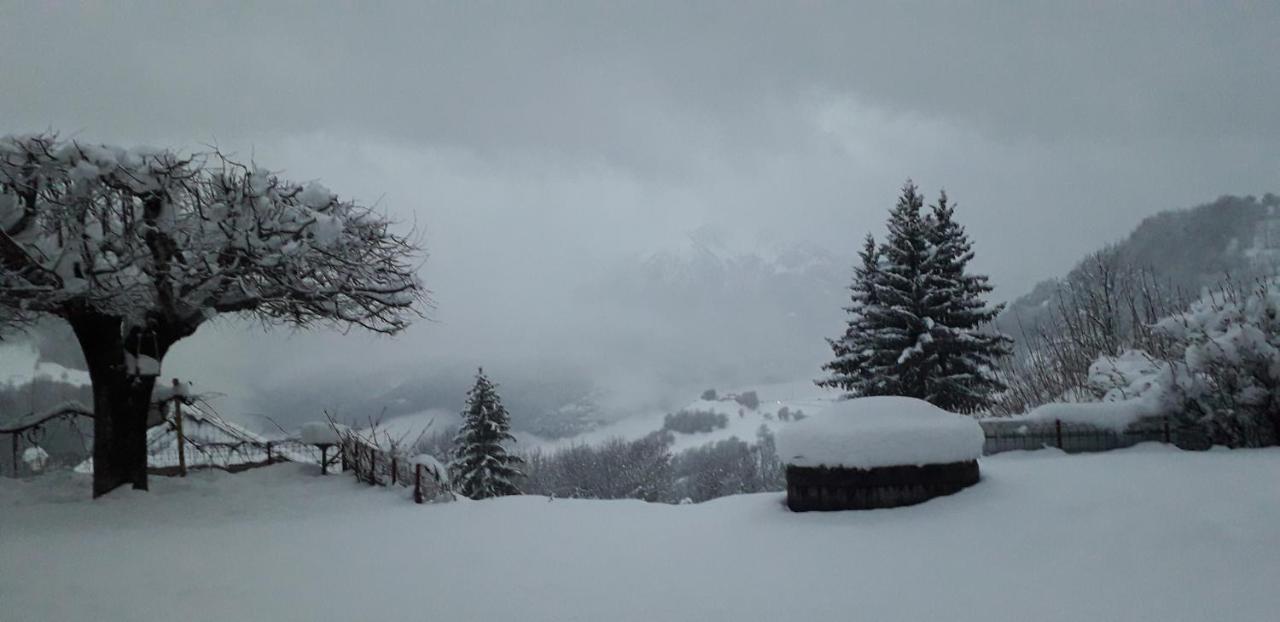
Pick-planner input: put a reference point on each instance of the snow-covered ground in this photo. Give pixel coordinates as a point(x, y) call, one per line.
point(1149, 533)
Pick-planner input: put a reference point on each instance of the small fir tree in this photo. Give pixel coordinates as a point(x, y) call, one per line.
point(481, 466)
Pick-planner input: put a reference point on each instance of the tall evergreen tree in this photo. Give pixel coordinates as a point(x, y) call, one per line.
point(966, 350)
point(481, 467)
point(916, 324)
point(899, 324)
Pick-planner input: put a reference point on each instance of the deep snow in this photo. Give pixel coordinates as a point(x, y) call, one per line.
point(1148, 533)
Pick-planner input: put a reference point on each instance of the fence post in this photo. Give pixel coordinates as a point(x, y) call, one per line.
point(1057, 424)
point(182, 438)
point(342, 455)
point(373, 467)
point(1166, 430)
point(324, 459)
point(394, 469)
point(270, 459)
point(15, 453)
point(417, 483)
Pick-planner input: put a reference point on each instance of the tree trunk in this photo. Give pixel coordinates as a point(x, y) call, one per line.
point(120, 405)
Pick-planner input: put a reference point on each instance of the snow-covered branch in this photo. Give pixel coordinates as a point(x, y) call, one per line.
point(163, 239)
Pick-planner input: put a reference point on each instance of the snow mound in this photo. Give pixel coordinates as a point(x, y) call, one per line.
point(322, 433)
point(1116, 416)
point(873, 432)
point(35, 458)
point(166, 392)
point(434, 466)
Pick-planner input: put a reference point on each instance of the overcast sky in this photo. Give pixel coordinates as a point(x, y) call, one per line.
point(531, 142)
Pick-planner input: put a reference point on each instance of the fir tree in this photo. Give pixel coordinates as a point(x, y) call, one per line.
point(856, 369)
point(964, 378)
point(916, 321)
point(898, 325)
point(481, 467)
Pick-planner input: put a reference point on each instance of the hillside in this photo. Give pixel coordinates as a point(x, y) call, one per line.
point(1187, 250)
point(778, 405)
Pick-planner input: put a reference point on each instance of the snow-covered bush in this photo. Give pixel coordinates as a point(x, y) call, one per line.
point(1227, 376)
point(36, 459)
point(1134, 373)
point(1220, 378)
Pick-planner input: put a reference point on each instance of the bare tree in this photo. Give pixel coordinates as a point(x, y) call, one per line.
point(1104, 307)
point(136, 249)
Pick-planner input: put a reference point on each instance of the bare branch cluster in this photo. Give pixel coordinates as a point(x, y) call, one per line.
point(1102, 309)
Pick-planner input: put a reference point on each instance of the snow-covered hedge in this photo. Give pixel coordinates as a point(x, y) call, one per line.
point(873, 432)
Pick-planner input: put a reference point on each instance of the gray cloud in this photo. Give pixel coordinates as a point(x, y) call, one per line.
point(537, 144)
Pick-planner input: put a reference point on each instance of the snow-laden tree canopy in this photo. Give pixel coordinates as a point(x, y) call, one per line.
point(153, 235)
point(136, 248)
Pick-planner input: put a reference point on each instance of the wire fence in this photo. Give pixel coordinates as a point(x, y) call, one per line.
point(232, 456)
point(377, 466)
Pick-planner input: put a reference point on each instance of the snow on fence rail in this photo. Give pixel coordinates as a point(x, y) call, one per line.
point(380, 467)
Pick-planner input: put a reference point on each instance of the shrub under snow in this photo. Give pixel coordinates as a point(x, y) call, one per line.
point(1223, 380)
point(1228, 376)
point(36, 458)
